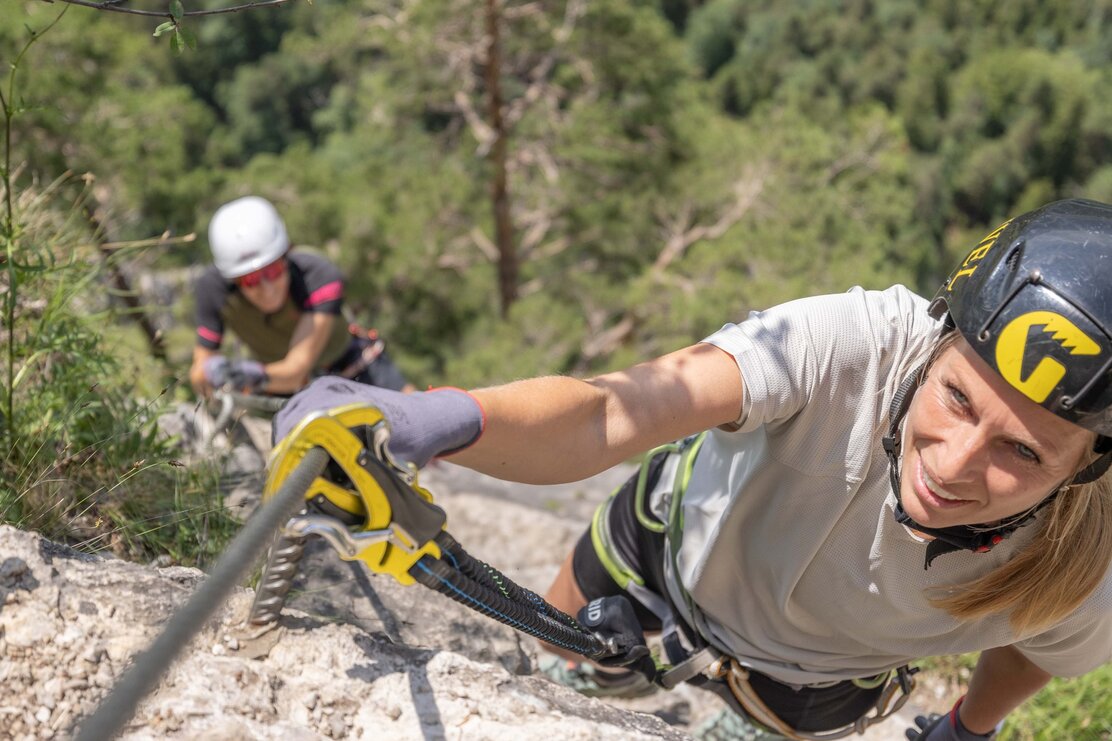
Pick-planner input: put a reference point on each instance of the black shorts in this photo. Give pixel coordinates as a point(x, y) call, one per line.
point(618, 546)
point(633, 548)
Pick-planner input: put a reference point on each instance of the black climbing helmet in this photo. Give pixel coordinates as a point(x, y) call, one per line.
point(1034, 299)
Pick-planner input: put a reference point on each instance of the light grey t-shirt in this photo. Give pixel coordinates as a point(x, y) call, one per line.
point(789, 546)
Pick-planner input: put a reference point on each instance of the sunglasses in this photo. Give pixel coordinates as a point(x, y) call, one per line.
point(269, 273)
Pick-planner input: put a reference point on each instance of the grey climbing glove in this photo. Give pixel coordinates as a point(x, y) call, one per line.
point(423, 425)
point(946, 727)
point(247, 375)
point(216, 371)
point(242, 375)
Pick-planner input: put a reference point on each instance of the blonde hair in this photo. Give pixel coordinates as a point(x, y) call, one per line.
point(1061, 566)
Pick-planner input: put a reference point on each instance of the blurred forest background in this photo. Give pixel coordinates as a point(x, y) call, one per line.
point(671, 164)
point(612, 180)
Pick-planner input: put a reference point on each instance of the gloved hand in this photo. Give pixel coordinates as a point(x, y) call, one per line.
point(216, 371)
point(247, 375)
point(243, 375)
point(946, 727)
point(423, 425)
point(612, 619)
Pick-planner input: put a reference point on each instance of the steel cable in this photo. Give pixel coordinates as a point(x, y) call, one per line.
point(143, 676)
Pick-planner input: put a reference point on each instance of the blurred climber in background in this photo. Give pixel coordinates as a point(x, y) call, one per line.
point(286, 307)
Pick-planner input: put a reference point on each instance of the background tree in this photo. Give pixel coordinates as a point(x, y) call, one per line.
point(670, 165)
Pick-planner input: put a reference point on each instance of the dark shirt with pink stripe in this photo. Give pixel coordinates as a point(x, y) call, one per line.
point(316, 285)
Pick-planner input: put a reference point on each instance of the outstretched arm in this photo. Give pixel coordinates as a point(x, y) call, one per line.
point(1003, 679)
point(559, 429)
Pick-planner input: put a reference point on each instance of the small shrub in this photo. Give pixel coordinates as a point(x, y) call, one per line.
point(81, 458)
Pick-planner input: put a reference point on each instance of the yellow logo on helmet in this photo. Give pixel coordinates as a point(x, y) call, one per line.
point(974, 258)
point(1012, 345)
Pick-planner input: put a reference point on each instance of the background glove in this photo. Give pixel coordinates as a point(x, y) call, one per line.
point(423, 425)
point(946, 727)
point(216, 371)
point(247, 375)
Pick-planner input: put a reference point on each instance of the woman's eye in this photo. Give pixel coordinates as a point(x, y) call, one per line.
point(958, 397)
point(1026, 453)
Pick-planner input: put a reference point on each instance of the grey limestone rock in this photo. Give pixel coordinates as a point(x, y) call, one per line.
point(71, 624)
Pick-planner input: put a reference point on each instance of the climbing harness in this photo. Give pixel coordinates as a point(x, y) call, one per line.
point(369, 346)
point(898, 686)
point(380, 516)
point(692, 659)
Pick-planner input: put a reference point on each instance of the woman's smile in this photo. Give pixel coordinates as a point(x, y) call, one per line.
point(932, 494)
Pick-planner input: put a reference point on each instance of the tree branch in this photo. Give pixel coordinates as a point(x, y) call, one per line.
point(863, 157)
point(539, 74)
point(683, 236)
point(745, 193)
point(112, 7)
point(479, 128)
point(485, 245)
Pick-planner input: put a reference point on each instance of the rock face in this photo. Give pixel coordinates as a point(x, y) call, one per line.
point(71, 622)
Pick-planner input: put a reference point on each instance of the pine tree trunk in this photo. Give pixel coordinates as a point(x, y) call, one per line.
point(499, 188)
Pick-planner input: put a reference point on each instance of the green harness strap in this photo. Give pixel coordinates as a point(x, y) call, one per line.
point(675, 510)
point(621, 572)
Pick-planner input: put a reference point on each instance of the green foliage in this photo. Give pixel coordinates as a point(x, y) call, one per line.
point(1078, 708)
point(712, 33)
point(541, 336)
point(884, 136)
point(81, 459)
point(1017, 117)
point(994, 96)
point(270, 106)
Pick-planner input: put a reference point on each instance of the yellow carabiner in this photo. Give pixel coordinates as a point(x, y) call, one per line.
point(332, 430)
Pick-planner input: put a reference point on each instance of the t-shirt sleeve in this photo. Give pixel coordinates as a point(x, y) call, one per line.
point(1080, 644)
point(322, 284)
point(818, 347)
point(210, 292)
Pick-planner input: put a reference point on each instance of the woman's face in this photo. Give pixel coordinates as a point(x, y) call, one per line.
point(268, 287)
point(976, 450)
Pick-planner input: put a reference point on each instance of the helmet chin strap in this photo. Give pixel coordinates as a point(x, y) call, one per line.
point(976, 538)
point(1099, 467)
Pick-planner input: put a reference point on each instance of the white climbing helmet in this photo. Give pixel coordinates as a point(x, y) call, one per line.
point(245, 235)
